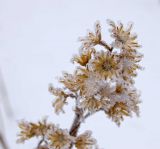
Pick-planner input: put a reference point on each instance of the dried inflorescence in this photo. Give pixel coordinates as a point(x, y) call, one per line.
point(30, 130)
point(60, 139)
point(53, 137)
point(85, 141)
point(102, 81)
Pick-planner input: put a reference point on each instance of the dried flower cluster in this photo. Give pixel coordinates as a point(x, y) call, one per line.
point(102, 81)
point(53, 137)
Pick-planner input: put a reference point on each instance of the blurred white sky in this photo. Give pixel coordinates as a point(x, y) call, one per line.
point(37, 40)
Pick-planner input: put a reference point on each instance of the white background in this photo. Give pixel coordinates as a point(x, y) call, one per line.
point(37, 41)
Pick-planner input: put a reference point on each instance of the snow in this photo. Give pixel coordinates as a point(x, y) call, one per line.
point(37, 41)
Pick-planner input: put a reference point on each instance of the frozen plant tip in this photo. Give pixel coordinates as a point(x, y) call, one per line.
point(102, 81)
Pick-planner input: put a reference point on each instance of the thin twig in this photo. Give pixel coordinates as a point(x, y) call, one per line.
point(72, 95)
point(104, 44)
point(40, 142)
point(89, 114)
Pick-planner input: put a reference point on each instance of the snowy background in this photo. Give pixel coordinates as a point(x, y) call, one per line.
point(37, 41)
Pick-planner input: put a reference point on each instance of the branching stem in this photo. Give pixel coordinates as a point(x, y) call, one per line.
point(41, 141)
point(104, 44)
point(79, 115)
point(76, 123)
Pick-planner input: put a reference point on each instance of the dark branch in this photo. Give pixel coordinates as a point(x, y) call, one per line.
point(104, 44)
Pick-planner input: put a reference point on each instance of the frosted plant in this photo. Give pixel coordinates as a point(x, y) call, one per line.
point(103, 80)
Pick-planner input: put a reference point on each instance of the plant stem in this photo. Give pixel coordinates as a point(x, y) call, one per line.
point(104, 44)
point(76, 124)
point(40, 142)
